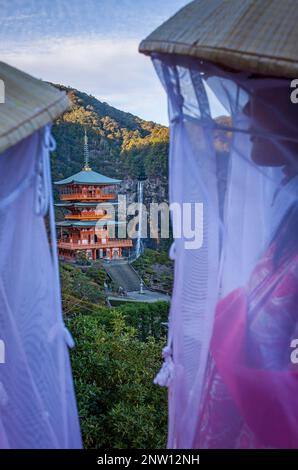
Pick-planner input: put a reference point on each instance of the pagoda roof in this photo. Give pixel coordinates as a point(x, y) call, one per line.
point(88, 177)
point(85, 204)
point(87, 223)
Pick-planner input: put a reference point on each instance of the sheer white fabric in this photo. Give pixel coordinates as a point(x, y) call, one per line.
point(251, 241)
point(37, 404)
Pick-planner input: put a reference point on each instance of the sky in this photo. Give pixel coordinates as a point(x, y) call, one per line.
point(91, 45)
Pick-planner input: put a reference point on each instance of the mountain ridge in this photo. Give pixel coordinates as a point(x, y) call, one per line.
point(120, 143)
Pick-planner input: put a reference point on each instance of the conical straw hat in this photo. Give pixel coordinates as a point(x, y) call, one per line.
point(29, 104)
point(258, 36)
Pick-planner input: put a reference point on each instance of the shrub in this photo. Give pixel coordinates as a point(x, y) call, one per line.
point(119, 406)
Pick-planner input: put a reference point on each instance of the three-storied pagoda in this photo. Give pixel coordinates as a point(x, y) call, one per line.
point(87, 196)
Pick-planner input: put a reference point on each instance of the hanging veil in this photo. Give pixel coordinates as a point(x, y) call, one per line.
point(232, 382)
point(37, 403)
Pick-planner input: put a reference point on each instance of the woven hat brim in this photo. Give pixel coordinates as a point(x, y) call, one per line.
point(258, 36)
point(29, 105)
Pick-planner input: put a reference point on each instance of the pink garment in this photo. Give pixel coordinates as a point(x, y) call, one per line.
point(250, 395)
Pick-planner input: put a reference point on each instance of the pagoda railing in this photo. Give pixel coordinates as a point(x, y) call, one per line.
point(88, 216)
point(80, 196)
point(100, 244)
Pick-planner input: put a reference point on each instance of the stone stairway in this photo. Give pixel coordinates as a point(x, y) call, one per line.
point(123, 275)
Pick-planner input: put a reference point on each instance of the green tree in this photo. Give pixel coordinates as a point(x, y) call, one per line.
point(119, 406)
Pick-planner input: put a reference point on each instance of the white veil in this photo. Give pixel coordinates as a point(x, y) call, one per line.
point(37, 403)
point(215, 299)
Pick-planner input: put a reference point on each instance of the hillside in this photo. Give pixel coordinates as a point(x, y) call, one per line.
point(120, 144)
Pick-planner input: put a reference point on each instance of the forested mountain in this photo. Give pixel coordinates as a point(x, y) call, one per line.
point(120, 144)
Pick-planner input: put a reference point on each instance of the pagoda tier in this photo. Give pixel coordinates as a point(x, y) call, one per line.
point(92, 238)
point(77, 192)
point(86, 228)
point(88, 210)
point(87, 197)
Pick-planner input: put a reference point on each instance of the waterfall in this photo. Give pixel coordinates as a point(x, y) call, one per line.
point(139, 244)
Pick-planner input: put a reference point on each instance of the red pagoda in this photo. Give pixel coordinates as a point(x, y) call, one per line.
point(86, 226)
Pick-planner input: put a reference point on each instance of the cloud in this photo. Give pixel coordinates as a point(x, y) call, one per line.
point(111, 70)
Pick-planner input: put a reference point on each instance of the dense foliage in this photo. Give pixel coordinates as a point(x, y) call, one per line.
point(156, 269)
point(113, 368)
point(119, 406)
point(117, 354)
point(120, 143)
point(82, 291)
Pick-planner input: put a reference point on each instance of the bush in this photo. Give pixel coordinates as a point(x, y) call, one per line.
point(119, 406)
point(97, 274)
point(80, 294)
point(156, 269)
point(147, 319)
point(82, 259)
